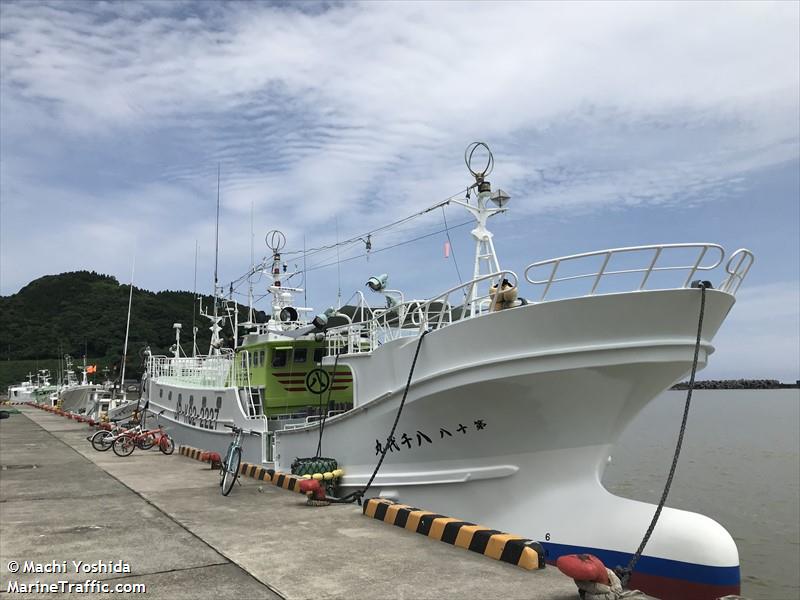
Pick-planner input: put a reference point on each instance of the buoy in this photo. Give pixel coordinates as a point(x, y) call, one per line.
point(317, 476)
point(327, 476)
point(583, 567)
point(215, 459)
point(338, 473)
point(306, 476)
point(314, 490)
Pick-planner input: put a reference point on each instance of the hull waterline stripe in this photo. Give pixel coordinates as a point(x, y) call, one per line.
point(651, 565)
point(508, 548)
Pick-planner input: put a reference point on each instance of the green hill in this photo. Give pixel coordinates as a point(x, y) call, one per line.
point(85, 312)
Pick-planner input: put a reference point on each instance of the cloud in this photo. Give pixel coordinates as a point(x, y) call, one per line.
point(115, 116)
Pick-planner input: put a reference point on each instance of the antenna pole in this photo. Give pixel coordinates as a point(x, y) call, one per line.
point(338, 269)
point(194, 302)
point(305, 273)
point(215, 328)
point(216, 234)
point(252, 268)
point(127, 330)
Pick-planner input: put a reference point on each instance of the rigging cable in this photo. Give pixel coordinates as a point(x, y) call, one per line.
point(357, 238)
point(403, 243)
point(625, 573)
point(450, 245)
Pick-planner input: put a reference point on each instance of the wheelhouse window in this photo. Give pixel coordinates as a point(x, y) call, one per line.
point(300, 355)
point(319, 354)
point(280, 357)
point(261, 360)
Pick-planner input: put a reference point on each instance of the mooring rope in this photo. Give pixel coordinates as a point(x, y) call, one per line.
point(625, 573)
point(327, 406)
point(358, 494)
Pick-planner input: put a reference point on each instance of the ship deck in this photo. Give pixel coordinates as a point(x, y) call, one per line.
point(165, 518)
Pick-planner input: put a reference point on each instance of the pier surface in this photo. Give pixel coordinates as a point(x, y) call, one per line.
point(164, 517)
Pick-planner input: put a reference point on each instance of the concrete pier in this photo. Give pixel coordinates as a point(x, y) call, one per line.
point(163, 516)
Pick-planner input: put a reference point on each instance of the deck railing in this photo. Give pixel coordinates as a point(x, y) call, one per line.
point(682, 263)
point(409, 318)
point(214, 370)
point(740, 263)
point(705, 257)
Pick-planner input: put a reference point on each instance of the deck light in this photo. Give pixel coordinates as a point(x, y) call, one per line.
point(377, 284)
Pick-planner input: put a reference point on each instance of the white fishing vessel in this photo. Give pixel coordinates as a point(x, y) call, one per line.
point(78, 396)
point(521, 387)
point(22, 392)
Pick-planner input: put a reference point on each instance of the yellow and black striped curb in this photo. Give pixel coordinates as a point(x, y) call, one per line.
point(509, 548)
point(190, 452)
point(282, 480)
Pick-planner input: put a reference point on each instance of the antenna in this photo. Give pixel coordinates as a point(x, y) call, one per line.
point(338, 268)
point(215, 328)
point(305, 274)
point(127, 330)
point(216, 234)
point(194, 302)
point(252, 269)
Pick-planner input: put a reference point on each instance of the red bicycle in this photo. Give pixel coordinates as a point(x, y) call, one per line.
point(126, 442)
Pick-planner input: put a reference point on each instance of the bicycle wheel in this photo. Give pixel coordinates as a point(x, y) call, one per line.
point(146, 442)
point(231, 471)
point(101, 440)
point(224, 465)
point(124, 445)
point(166, 445)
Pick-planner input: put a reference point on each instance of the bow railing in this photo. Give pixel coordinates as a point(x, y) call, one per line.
point(652, 259)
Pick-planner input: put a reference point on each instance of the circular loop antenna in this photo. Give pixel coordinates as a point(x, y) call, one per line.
point(275, 240)
point(470, 158)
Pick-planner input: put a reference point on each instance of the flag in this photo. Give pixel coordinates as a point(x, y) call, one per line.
point(91, 369)
point(447, 249)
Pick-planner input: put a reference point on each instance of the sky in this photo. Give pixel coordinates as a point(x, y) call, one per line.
point(611, 125)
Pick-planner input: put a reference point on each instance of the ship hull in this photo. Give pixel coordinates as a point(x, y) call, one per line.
point(78, 399)
point(509, 423)
point(203, 424)
point(511, 418)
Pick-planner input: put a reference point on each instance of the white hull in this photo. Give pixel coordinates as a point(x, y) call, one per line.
point(78, 399)
point(520, 427)
point(203, 426)
point(19, 394)
point(555, 384)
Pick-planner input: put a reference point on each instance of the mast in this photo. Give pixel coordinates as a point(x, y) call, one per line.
point(252, 269)
point(127, 331)
point(216, 342)
point(84, 381)
point(486, 261)
point(194, 302)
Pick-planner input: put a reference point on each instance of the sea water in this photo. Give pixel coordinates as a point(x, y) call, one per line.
point(740, 465)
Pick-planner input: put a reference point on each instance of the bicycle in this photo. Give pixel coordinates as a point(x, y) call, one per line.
point(127, 441)
point(103, 439)
point(229, 471)
point(162, 438)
